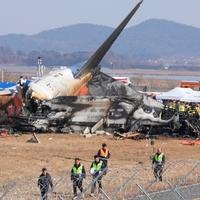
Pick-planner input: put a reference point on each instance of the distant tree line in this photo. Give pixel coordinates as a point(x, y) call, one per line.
point(8, 56)
point(54, 58)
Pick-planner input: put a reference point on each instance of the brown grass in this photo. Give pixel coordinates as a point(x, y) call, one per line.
point(20, 159)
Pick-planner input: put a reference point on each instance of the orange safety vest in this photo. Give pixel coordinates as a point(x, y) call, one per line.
point(104, 153)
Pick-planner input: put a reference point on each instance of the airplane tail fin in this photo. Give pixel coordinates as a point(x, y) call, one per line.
point(96, 58)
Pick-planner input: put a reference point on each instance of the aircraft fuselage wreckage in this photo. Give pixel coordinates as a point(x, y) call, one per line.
point(62, 101)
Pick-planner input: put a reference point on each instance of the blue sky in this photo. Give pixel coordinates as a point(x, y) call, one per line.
point(32, 16)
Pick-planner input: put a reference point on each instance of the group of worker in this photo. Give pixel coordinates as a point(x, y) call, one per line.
point(192, 109)
point(98, 169)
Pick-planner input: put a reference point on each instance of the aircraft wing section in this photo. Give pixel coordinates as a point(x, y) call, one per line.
point(94, 61)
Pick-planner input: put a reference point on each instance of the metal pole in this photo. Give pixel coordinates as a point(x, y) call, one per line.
point(103, 192)
point(174, 189)
point(112, 70)
point(194, 167)
point(2, 75)
point(39, 66)
point(146, 194)
point(131, 178)
point(90, 185)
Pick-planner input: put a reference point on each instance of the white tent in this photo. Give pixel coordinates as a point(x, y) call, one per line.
point(175, 94)
point(5, 92)
point(194, 97)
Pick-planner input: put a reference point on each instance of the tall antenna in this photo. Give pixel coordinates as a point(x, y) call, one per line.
point(40, 73)
point(112, 66)
point(2, 75)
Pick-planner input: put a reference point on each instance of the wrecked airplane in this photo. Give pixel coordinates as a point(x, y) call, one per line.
point(62, 101)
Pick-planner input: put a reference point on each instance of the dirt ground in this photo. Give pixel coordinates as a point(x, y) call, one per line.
point(22, 159)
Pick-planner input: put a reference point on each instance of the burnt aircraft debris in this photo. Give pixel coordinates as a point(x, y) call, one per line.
point(65, 102)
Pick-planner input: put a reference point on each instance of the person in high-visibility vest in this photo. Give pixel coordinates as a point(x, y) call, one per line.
point(158, 164)
point(198, 110)
point(174, 105)
point(170, 104)
point(77, 175)
point(96, 169)
point(187, 107)
point(182, 108)
point(104, 154)
point(192, 112)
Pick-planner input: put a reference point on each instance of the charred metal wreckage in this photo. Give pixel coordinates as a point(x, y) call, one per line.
point(62, 101)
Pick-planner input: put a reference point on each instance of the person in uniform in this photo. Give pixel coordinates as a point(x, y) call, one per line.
point(158, 164)
point(96, 171)
point(77, 175)
point(44, 181)
point(104, 154)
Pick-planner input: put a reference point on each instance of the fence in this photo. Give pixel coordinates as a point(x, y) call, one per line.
point(181, 181)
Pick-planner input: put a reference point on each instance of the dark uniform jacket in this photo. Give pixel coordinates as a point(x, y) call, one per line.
point(44, 181)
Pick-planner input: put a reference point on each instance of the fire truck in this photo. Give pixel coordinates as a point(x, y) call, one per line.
point(195, 85)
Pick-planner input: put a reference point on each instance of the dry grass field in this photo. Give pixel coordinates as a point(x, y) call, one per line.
point(22, 159)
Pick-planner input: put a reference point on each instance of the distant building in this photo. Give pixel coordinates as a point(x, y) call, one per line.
point(123, 79)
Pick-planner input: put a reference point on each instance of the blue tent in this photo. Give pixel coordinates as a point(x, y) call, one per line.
point(4, 85)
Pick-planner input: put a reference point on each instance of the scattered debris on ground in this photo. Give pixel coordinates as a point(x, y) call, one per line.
point(190, 142)
point(34, 139)
point(4, 132)
point(129, 135)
